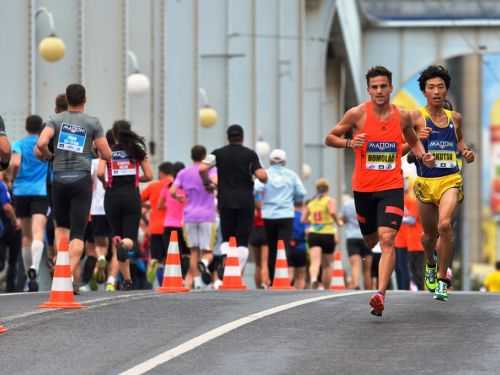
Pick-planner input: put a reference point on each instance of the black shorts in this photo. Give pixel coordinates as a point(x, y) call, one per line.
point(379, 209)
point(236, 222)
point(29, 205)
point(296, 256)
point(97, 227)
point(71, 204)
point(357, 246)
point(325, 241)
point(258, 237)
point(123, 211)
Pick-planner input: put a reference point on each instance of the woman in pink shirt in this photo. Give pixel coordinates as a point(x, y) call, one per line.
point(174, 220)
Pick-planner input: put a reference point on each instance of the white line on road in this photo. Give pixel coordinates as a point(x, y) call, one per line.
point(189, 345)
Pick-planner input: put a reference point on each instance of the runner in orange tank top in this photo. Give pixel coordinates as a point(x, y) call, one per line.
point(378, 128)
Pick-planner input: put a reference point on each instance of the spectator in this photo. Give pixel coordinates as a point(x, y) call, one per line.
point(492, 281)
point(282, 189)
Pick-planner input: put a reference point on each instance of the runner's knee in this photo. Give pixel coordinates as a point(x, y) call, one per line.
point(445, 227)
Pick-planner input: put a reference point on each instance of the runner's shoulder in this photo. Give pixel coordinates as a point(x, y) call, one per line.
point(456, 117)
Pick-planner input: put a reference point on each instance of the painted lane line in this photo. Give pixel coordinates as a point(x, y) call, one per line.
point(117, 298)
point(194, 343)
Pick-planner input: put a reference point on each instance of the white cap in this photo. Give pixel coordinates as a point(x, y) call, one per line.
point(277, 156)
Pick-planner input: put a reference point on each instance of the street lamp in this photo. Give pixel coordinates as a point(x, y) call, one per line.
point(262, 148)
point(137, 82)
point(50, 48)
point(306, 171)
point(207, 115)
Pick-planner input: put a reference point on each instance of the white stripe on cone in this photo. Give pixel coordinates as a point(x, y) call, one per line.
point(62, 284)
point(281, 273)
point(337, 265)
point(281, 254)
point(232, 271)
point(172, 271)
point(62, 258)
point(173, 248)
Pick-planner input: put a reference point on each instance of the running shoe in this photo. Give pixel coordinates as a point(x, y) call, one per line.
point(110, 287)
point(315, 285)
point(32, 282)
point(101, 271)
point(76, 289)
point(85, 288)
point(93, 283)
point(151, 272)
point(127, 285)
point(430, 276)
point(377, 304)
point(205, 275)
point(441, 292)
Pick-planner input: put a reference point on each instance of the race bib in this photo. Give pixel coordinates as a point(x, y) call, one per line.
point(381, 156)
point(444, 153)
point(72, 138)
point(121, 165)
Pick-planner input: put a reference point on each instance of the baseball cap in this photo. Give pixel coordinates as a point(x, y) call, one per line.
point(277, 155)
point(234, 131)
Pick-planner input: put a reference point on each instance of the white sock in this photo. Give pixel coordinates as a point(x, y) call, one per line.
point(205, 262)
point(101, 257)
point(197, 282)
point(224, 248)
point(36, 254)
point(243, 256)
point(111, 280)
point(27, 258)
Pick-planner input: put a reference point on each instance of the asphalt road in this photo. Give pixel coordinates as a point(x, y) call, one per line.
point(117, 332)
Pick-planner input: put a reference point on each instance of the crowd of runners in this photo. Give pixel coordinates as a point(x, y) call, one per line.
point(69, 180)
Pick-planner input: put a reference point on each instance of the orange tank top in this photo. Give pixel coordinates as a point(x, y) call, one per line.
point(377, 165)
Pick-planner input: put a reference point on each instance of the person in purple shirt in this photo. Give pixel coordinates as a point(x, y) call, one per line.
point(199, 216)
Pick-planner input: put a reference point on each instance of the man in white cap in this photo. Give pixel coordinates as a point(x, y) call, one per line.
point(282, 190)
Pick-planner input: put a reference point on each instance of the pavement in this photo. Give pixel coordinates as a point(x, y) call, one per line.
point(307, 332)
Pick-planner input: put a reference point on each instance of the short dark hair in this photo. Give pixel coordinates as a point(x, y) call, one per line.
point(178, 166)
point(61, 103)
point(235, 133)
point(434, 71)
point(198, 153)
point(34, 124)
point(167, 168)
point(75, 94)
point(377, 71)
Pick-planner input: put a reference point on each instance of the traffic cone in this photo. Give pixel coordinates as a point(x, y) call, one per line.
point(337, 282)
point(3, 329)
point(281, 279)
point(61, 294)
point(232, 271)
point(172, 274)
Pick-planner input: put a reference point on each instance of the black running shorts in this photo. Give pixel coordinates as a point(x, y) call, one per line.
point(325, 241)
point(379, 209)
point(357, 246)
point(29, 205)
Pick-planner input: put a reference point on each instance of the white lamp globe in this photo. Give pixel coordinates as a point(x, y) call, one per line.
point(138, 84)
point(262, 149)
point(51, 48)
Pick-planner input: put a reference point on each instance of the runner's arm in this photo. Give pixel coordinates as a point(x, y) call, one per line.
point(411, 137)
point(161, 200)
point(347, 123)
point(466, 151)
point(15, 162)
point(418, 123)
point(10, 213)
point(305, 215)
point(4, 146)
point(147, 171)
point(333, 212)
point(42, 145)
point(103, 147)
point(101, 171)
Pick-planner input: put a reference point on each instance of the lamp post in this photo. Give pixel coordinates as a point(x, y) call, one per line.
point(207, 115)
point(51, 48)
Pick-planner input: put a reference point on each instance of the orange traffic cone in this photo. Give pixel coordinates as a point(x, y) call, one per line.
point(61, 294)
point(172, 276)
point(232, 271)
point(281, 279)
point(3, 329)
point(337, 282)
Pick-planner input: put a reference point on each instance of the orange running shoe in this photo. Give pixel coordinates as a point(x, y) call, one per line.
point(377, 304)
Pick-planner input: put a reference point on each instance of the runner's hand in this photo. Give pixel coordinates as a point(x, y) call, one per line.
point(424, 133)
point(358, 140)
point(428, 160)
point(468, 155)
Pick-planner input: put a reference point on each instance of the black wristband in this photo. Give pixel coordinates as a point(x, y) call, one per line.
point(4, 165)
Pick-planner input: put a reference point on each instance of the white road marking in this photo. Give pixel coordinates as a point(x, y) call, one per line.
point(194, 343)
